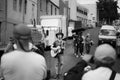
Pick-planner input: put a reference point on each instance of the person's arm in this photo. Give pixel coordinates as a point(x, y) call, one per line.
point(54, 47)
point(77, 71)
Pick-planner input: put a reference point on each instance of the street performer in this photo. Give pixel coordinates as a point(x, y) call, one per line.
point(57, 50)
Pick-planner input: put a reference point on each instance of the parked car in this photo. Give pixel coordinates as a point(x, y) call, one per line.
point(107, 34)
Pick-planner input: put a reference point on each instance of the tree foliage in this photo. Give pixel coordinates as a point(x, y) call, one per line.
point(107, 10)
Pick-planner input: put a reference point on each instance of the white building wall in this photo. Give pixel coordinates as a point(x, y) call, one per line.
point(92, 13)
point(73, 6)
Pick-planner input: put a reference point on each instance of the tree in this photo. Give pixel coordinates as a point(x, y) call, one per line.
point(107, 10)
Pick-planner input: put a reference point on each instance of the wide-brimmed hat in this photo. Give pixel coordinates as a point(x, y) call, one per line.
point(105, 53)
point(60, 33)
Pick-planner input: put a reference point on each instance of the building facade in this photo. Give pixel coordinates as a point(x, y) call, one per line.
point(47, 7)
point(14, 12)
point(65, 11)
point(82, 15)
point(92, 15)
point(3, 20)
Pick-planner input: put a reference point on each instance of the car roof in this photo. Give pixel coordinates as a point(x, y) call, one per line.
point(109, 27)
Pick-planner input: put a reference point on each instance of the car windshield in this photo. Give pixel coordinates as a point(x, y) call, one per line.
point(108, 32)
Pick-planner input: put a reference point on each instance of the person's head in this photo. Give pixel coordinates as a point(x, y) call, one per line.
point(59, 35)
point(22, 35)
point(105, 55)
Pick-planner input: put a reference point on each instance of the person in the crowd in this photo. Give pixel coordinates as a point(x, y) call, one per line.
point(76, 72)
point(75, 43)
point(58, 51)
point(22, 63)
point(10, 46)
point(88, 43)
point(104, 58)
point(81, 43)
point(78, 44)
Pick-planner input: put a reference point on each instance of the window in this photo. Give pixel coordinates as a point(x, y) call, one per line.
point(51, 9)
point(15, 5)
point(55, 11)
point(20, 5)
point(40, 4)
point(25, 6)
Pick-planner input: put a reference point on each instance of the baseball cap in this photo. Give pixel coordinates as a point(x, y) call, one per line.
point(21, 31)
point(105, 53)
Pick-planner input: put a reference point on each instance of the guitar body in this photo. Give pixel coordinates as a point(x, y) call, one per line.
point(54, 53)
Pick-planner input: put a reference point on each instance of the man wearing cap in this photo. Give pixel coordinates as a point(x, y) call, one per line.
point(104, 58)
point(22, 63)
point(58, 48)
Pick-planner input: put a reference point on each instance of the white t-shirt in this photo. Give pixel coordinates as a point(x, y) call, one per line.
point(101, 73)
point(19, 65)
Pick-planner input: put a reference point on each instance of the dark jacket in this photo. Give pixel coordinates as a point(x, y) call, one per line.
point(76, 72)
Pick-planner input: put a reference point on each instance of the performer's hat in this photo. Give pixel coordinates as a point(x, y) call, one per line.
point(60, 33)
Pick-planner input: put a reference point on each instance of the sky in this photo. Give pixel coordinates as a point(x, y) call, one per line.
point(93, 2)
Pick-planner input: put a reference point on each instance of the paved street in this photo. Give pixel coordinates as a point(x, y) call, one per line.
point(70, 60)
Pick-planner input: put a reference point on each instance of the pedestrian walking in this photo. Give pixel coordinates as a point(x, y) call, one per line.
point(57, 51)
point(104, 58)
point(88, 43)
point(81, 43)
point(22, 63)
point(75, 44)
